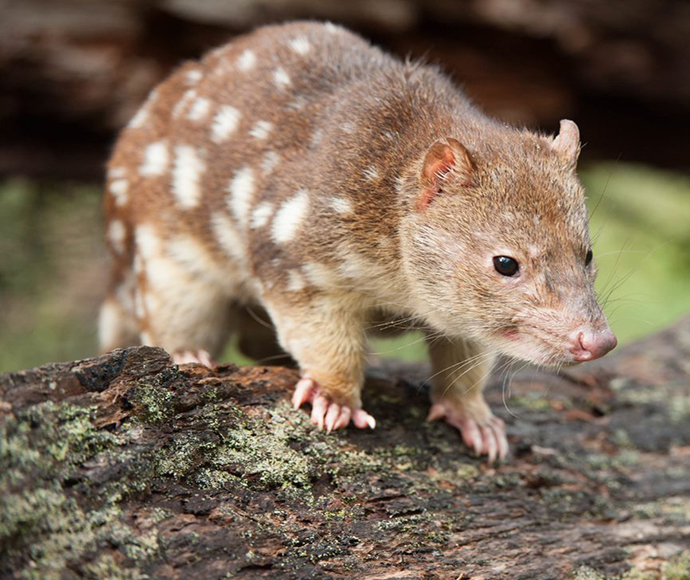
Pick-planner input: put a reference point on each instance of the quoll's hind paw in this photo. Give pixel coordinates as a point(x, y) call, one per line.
point(485, 436)
point(193, 356)
point(326, 413)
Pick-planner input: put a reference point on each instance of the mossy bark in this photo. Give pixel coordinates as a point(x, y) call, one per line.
point(127, 466)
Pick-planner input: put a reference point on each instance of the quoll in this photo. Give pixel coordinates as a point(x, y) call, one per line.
point(302, 176)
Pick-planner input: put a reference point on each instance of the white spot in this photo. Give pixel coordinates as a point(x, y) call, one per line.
point(241, 193)
point(296, 281)
point(139, 119)
point(227, 237)
point(155, 159)
point(319, 275)
point(192, 77)
point(261, 214)
point(246, 60)
point(187, 98)
point(224, 123)
point(289, 217)
point(348, 127)
point(371, 173)
point(341, 205)
point(298, 103)
point(316, 138)
point(331, 28)
point(389, 135)
point(199, 110)
point(355, 266)
point(261, 129)
point(147, 241)
point(117, 172)
point(186, 178)
point(300, 45)
point(269, 161)
point(118, 188)
point(116, 236)
point(281, 78)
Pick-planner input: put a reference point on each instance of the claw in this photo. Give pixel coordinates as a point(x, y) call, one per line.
point(344, 419)
point(304, 392)
point(332, 416)
point(200, 357)
point(362, 419)
point(483, 437)
point(324, 412)
point(489, 440)
point(318, 410)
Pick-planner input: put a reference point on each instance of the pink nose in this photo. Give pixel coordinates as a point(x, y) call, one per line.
point(589, 344)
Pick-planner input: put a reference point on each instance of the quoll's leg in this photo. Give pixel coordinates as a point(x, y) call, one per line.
point(460, 371)
point(325, 335)
point(178, 310)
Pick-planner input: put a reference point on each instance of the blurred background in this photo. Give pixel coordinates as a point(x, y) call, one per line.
point(72, 72)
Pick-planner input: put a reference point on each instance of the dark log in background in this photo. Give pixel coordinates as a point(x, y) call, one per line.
point(72, 72)
point(126, 466)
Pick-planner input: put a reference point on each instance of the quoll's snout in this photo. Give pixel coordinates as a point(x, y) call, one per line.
point(588, 343)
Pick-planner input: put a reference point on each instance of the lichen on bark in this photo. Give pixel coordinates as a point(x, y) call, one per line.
point(127, 466)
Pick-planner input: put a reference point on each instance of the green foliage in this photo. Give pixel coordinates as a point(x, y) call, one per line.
point(639, 223)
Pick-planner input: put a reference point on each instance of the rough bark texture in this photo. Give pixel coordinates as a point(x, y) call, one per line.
point(127, 466)
point(74, 71)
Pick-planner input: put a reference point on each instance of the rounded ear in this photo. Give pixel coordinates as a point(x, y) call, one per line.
point(446, 161)
point(567, 142)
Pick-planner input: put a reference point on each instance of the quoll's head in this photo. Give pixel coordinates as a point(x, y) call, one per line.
point(497, 248)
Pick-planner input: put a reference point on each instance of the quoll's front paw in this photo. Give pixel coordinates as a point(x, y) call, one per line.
point(326, 413)
point(484, 435)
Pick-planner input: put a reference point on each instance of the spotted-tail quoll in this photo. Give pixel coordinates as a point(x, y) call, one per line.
point(302, 174)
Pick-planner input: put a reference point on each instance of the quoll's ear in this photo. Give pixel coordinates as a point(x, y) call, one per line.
point(567, 142)
point(446, 161)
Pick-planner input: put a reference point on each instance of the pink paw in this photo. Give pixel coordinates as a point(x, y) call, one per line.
point(324, 412)
point(193, 356)
point(487, 435)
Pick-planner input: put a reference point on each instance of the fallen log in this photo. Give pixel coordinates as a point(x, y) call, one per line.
point(128, 466)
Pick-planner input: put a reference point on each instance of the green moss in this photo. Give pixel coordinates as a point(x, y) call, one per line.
point(155, 403)
point(40, 449)
point(532, 401)
point(45, 441)
point(265, 457)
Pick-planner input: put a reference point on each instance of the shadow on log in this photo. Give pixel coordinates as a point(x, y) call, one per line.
point(128, 466)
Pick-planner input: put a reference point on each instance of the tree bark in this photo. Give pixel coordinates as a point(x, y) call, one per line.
point(128, 466)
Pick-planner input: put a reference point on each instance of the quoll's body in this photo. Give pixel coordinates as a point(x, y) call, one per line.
point(301, 172)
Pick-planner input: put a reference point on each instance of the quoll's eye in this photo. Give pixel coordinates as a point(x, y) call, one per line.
point(506, 265)
point(588, 257)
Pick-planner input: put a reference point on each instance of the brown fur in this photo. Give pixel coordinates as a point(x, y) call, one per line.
point(382, 230)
